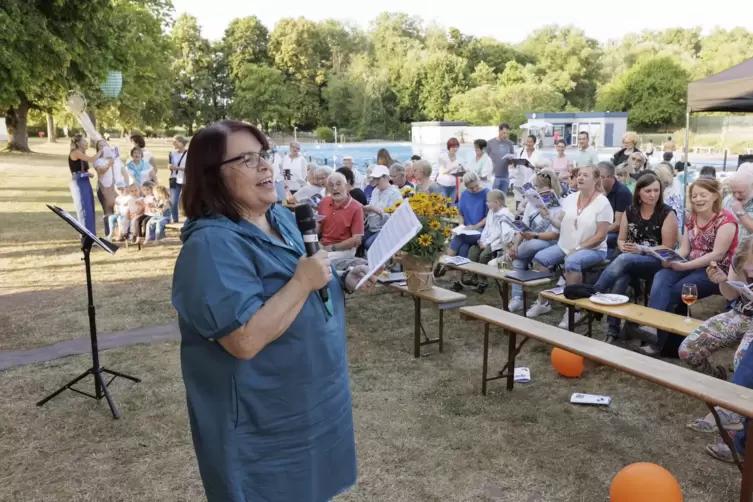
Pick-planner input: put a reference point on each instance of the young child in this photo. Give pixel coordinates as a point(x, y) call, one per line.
point(622, 173)
point(155, 228)
point(150, 206)
point(121, 209)
point(497, 236)
point(135, 209)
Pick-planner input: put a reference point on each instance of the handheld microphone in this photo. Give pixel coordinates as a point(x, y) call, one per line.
point(306, 221)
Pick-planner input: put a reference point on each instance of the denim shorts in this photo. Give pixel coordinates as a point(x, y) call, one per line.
point(576, 262)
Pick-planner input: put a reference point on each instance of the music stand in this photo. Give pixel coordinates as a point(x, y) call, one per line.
point(100, 387)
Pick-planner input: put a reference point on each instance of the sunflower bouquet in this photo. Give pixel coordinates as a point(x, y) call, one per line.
point(433, 211)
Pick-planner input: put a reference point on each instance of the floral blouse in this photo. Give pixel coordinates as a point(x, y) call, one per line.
point(701, 239)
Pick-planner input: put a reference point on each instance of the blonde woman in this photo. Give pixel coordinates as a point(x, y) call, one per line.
point(81, 188)
point(629, 146)
point(294, 168)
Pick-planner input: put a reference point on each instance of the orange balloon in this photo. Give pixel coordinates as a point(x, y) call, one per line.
point(645, 482)
point(567, 363)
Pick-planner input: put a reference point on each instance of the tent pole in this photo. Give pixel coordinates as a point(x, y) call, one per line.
point(685, 160)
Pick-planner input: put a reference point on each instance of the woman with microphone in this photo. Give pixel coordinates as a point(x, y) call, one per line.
point(263, 357)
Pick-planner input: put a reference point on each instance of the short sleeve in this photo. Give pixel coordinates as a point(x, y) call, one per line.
point(216, 288)
point(357, 223)
point(605, 214)
point(624, 200)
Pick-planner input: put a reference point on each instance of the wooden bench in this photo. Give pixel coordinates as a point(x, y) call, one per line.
point(712, 391)
point(501, 278)
point(632, 312)
point(443, 299)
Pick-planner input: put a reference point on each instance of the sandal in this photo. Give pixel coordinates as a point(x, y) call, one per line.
point(732, 422)
point(721, 451)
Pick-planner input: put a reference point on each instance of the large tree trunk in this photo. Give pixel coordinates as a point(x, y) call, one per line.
point(15, 120)
point(52, 134)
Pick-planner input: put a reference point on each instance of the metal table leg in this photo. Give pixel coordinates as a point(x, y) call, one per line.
point(486, 359)
point(441, 329)
point(417, 327)
point(511, 353)
point(746, 485)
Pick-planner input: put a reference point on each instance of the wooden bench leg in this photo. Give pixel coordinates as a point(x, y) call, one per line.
point(746, 486)
point(504, 293)
point(511, 353)
point(417, 327)
point(441, 329)
point(486, 359)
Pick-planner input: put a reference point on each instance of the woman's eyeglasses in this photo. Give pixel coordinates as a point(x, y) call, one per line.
point(252, 160)
point(545, 175)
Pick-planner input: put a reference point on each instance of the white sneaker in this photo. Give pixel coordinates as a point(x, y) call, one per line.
point(515, 304)
point(563, 322)
point(538, 308)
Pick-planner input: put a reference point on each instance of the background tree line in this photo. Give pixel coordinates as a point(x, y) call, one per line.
point(369, 83)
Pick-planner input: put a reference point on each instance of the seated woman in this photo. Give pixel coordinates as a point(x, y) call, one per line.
point(582, 243)
point(672, 197)
point(648, 222)
point(711, 236)
point(497, 236)
point(472, 210)
point(728, 329)
point(424, 183)
point(383, 196)
point(543, 234)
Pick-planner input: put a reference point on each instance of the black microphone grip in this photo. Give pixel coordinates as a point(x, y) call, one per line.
point(306, 221)
point(312, 247)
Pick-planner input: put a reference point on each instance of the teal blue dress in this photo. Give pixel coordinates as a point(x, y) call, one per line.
point(278, 427)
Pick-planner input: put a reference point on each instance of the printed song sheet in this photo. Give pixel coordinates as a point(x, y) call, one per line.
point(400, 228)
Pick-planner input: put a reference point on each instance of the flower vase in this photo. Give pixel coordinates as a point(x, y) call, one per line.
point(419, 272)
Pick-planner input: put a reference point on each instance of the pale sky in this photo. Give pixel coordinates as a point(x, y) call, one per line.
point(509, 21)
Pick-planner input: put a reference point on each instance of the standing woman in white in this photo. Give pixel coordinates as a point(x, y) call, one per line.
point(294, 168)
point(484, 165)
point(524, 174)
point(177, 165)
point(449, 165)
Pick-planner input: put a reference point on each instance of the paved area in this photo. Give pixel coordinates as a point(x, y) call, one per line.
point(148, 334)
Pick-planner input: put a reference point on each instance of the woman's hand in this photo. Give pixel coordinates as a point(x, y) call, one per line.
point(716, 275)
point(355, 276)
point(629, 247)
point(544, 212)
point(679, 267)
point(315, 272)
point(527, 235)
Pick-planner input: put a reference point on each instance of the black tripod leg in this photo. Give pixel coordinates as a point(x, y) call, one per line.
point(110, 402)
point(66, 386)
point(121, 375)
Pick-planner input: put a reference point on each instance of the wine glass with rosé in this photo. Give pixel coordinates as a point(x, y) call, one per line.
point(689, 297)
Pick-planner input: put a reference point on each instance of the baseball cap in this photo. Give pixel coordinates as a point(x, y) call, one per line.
point(379, 171)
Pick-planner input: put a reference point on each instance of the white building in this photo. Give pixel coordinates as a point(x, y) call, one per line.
point(3, 131)
point(604, 128)
point(437, 133)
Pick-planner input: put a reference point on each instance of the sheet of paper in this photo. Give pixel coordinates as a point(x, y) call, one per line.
point(400, 228)
point(522, 375)
point(590, 399)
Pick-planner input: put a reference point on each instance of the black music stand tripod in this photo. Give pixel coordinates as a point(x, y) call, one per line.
point(100, 386)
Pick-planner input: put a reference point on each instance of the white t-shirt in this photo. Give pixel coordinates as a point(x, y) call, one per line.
point(599, 210)
point(176, 160)
point(297, 168)
point(484, 168)
point(448, 180)
point(540, 225)
point(123, 201)
point(524, 174)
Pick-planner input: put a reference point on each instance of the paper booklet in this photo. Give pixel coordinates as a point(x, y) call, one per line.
point(527, 187)
point(590, 399)
point(103, 243)
point(664, 254)
point(401, 227)
point(463, 230)
point(390, 277)
point(743, 289)
point(547, 198)
point(454, 260)
point(517, 225)
point(522, 375)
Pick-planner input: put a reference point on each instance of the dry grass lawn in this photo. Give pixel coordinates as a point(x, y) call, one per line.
point(424, 432)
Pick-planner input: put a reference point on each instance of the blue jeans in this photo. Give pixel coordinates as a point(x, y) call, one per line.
point(155, 227)
point(617, 277)
point(175, 202)
point(576, 262)
point(527, 249)
point(368, 238)
point(461, 244)
point(502, 184)
point(744, 376)
point(83, 200)
point(449, 192)
point(666, 291)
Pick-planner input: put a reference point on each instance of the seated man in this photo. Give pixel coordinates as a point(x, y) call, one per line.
point(358, 180)
point(398, 178)
point(342, 224)
point(620, 198)
point(316, 190)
